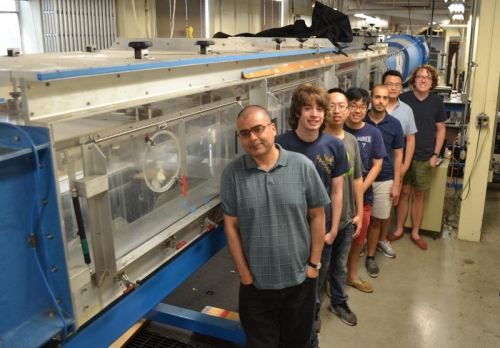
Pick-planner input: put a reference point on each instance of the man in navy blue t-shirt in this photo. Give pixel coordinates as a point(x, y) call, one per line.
point(387, 184)
point(309, 107)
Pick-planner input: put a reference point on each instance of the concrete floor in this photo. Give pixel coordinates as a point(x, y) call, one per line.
point(447, 296)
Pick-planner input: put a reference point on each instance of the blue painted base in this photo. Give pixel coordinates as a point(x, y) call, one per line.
point(112, 323)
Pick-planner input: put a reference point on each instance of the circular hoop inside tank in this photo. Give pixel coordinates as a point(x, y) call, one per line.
point(162, 161)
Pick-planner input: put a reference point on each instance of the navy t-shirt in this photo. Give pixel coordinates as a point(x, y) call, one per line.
point(371, 145)
point(427, 113)
point(328, 155)
point(392, 133)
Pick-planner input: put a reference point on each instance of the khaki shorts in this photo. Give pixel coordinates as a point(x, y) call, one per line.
point(419, 175)
point(382, 202)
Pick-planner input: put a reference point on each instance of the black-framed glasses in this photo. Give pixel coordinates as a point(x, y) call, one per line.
point(245, 133)
point(393, 85)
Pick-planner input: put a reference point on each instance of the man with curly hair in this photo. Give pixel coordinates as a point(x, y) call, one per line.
point(430, 115)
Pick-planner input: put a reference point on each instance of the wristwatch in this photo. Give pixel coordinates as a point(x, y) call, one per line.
point(314, 265)
point(435, 154)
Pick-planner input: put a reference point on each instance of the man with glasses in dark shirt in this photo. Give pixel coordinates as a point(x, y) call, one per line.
point(430, 115)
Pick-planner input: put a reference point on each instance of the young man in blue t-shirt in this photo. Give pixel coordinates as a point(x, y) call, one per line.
point(372, 151)
point(309, 106)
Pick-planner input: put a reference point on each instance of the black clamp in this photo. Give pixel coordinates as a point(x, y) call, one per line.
point(140, 48)
point(340, 50)
point(367, 44)
point(204, 44)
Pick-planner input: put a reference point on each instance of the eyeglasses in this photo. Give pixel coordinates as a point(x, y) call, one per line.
point(339, 107)
point(422, 77)
point(393, 85)
point(245, 133)
point(355, 107)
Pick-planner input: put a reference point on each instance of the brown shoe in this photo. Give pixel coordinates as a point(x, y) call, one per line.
point(394, 237)
point(360, 284)
point(419, 242)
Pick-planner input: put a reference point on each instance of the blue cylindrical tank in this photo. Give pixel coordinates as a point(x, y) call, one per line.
point(405, 53)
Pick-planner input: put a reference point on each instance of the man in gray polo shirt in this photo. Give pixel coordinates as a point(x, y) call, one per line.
point(273, 204)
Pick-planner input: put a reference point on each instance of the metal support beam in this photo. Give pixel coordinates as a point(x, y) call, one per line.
point(485, 95)
point(205, 324)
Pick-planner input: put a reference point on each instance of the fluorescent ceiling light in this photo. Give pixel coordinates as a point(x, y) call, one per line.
point(359, 15)
point(458, 17)
point(456, 8)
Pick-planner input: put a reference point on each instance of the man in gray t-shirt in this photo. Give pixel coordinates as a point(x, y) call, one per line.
point(274, 218)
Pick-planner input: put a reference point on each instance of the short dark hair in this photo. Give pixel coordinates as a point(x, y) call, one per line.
point(303, 95)
point(356, 94)
point(392, 73)
point(338, 90)
point(430, 69)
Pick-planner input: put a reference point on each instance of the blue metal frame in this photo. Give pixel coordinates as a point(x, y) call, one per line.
point(112, 323)
point(28, 315)
point(205, 324)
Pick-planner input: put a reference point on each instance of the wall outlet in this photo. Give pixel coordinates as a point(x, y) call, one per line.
point(482, 120)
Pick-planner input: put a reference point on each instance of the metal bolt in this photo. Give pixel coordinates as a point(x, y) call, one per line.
point(59, 300)
point(51, 314)
point(98, 232)
point(85, 307)
point(54, 269)
point(44, 202)
point(50, 236)
point(41, 165)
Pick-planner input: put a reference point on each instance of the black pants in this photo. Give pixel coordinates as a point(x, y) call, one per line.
point(278, 318)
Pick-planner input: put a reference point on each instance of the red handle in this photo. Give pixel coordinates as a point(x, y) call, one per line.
point(180, 244)
point(184, 185)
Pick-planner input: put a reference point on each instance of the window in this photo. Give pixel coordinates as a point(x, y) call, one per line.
point(9, 26)
point(271, 14)
point(174, 16)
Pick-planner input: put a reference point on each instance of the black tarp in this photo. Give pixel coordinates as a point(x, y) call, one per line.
point(326, 23)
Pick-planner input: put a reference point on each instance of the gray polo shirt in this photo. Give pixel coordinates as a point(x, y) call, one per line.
point(272, 210)
point(404, 114)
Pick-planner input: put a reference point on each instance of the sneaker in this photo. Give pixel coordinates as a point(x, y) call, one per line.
point(386, 248)
point(345, 314)
point(363, 249)
point(360, 284)
point(372, 268)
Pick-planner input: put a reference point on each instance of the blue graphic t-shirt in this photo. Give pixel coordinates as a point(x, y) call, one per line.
point(371, 145)
point(328, 155)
